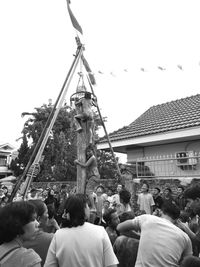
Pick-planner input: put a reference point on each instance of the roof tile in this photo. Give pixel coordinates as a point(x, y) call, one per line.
point(170, 116)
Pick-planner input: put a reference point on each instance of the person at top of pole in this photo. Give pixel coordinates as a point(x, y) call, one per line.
point(85, 114)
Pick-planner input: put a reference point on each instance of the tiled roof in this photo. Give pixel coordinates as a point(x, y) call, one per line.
point(175, 115)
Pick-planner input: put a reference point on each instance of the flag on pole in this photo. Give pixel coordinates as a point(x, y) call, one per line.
point(73, 19)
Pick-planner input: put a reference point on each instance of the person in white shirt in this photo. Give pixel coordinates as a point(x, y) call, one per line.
point(79, 243)
point(161, 243)
point(145, 200)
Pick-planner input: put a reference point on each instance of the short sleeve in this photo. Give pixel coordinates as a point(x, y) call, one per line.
point(51, 260)
point(109, 255)
point(139, 220)
point(31, 258)
point(188, 248)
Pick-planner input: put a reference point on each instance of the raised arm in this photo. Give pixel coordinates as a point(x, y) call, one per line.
point(128, 226)
point(87, 164)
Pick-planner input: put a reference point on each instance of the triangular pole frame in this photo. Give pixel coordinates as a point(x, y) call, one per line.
point(38, 150)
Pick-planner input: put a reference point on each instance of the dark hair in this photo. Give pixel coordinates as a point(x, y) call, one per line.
point(50, 196)
point(182, 187)
point(171, 210)
point(128, 215)
point(100, 186)
point(125, 196)
point(12, 219)
point(51, 211)
point(169, 189)
point(157, 188)
point(184, 216)
point(39, 206)
point(192, 192)
point(191, 261)
point(75, 205)
point(110, 189)
point(88, 95)
point(33, 190)
point(108, 215)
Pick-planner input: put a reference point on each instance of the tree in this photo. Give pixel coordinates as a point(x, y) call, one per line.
point(106, 165)
point(61, 148)
point(60, 151)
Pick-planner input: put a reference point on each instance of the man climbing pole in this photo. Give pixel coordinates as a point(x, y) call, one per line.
point(92, 172)
point(85, 114)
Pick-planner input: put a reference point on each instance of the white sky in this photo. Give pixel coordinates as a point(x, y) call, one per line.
point(37, 47)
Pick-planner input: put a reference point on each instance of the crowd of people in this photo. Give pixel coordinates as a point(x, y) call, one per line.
point(57, 228)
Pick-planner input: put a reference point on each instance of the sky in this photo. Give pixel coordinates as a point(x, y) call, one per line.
point(142, 53)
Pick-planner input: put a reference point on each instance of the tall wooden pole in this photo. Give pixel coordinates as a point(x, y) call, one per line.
point(81, 156)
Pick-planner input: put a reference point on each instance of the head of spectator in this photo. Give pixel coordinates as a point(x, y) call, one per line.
point(125, 196)
point(180, 190)
point(190, 261)
point(76, 211)
point(63, 189)
point(17, 219)
point(145, 188)
point(109, 192)
point(106, 205)
point(119, 188)
point(184, 216)
point(129, 215)
point(42, 212)
point(156, 191)
point(111, 218)
point(192, 195)
point(54, 187)
point(170, 212)
point(50, 194)
point(99, 190)
point(33, 192)
point(45, 193)
point(167, 192)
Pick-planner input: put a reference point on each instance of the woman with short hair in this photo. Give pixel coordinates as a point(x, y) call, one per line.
point(18, 224)
point(79, 243)
point(41, 240)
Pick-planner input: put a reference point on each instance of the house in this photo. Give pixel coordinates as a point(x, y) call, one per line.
point(6, 151)
point(164, 141)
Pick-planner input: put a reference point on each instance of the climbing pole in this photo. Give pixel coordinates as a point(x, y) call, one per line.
point(32, 168)
point(83, 101)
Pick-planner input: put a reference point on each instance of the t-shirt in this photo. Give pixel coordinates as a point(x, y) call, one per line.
point(40, 243)
point(161, 244)
point(20, 257)
point(82, 246)
point(145, 201)
point(126, 249)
